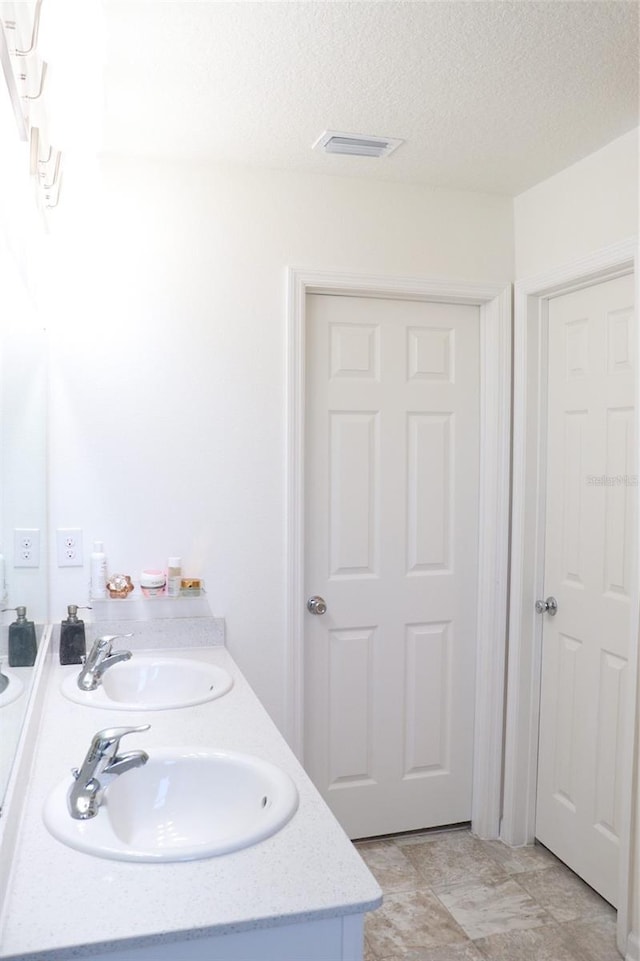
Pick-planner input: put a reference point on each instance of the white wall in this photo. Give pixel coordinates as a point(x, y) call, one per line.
point(168, 345)
point(590, 205)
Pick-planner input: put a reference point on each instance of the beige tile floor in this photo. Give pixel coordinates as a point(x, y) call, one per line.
point(451, 897)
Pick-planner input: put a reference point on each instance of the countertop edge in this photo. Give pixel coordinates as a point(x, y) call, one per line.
point(98, 948)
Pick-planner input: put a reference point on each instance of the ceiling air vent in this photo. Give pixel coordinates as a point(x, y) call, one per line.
point(356, 145)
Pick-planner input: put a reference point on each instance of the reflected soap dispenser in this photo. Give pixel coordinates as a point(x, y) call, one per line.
point(23, 646)
point(73, 643)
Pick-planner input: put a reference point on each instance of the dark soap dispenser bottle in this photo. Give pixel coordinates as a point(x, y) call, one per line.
point(23, 646)
point(73, 644)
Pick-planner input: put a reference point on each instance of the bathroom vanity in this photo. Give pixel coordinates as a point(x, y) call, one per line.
point(301, 893)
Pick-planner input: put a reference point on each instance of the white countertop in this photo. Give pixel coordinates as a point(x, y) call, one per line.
point(62, 903)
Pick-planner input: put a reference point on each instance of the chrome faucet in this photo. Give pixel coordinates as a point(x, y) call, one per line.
point(99, 658)
point(99, 767)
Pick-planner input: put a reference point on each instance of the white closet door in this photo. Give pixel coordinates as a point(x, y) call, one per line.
point(589, 530)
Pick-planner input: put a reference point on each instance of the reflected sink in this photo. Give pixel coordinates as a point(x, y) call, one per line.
point(13, 689)
point(151, 683)
point(183, 805)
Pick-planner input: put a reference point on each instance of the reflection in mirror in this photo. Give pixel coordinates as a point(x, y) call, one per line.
point(22, 491)
point(14, 699)
point(23, 385)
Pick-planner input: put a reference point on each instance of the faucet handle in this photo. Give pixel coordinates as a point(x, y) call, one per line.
point(102, 645)
point(107, 640)
point(109, 738)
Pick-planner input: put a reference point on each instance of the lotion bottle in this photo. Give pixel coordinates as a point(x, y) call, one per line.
point(73, 644)
point(23, 646)
point(174, 576)
point(98, 571)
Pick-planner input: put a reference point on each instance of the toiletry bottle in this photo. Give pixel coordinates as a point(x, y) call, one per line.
point(98, 571)
point(174, 576)
point(22, 640)
point(73, 644)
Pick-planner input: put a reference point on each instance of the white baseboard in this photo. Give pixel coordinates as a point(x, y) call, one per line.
point(633, 947)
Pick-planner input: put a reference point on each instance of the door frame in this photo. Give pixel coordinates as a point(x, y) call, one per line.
point(494, 302)
point(531, 298)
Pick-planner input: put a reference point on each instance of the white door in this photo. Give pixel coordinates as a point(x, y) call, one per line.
point(589, 530)
point(391, 534)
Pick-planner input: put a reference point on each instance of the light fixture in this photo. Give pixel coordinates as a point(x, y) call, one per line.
point(356, 145)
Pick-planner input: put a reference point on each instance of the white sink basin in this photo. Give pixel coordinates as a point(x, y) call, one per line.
point(151, 683)
point(13, 690)
point(184, 804)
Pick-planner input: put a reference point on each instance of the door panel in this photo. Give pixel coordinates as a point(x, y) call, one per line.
point(391, 533)
point(587, 568)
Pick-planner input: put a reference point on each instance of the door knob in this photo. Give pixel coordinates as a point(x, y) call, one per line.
point(316, 605)
point(550, 606)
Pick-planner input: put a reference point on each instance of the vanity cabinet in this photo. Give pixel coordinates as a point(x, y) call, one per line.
point(331, 939)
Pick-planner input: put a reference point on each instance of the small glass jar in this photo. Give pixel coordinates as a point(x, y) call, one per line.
point(190, 586)
point(119, 585)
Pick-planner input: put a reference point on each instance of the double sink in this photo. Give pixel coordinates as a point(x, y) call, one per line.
point(177, 804)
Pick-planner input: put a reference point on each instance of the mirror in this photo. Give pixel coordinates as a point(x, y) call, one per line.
point(23, 506)
point(23, 356)
point(23, 432)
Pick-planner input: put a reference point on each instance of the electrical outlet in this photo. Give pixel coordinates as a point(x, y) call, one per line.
point(69, 547)
point(26, 547)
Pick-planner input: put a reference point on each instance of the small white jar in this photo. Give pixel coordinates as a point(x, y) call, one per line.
point(152, 582)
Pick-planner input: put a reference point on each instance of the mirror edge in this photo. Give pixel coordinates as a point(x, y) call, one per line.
point(11, 812)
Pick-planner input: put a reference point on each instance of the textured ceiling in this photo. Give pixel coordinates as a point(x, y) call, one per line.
point(491, 96)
